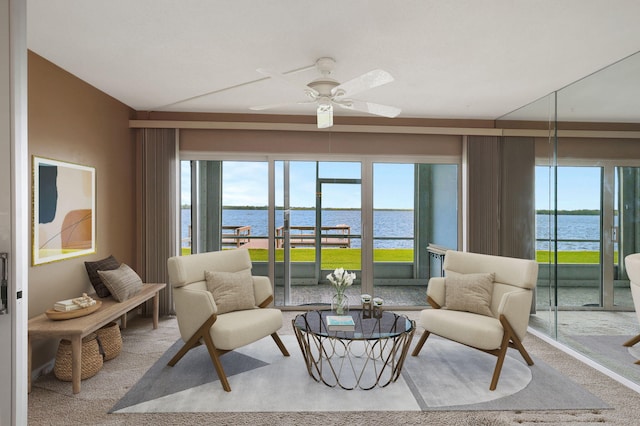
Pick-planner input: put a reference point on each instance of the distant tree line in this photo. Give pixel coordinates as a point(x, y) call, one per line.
point(579, 212)
point(187, 206)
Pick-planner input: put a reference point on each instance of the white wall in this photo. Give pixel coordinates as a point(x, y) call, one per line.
point(14, 195)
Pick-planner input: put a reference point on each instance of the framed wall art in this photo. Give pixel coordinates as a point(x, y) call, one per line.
point(64, 206)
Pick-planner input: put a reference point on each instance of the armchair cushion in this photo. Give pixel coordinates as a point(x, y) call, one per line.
point(232, 291)
point(469, 292)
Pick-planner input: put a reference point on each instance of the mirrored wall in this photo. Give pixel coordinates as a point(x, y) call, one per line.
point(587, 212)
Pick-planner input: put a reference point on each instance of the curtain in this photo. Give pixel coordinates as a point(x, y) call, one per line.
point(157, 208)
point(501, 182)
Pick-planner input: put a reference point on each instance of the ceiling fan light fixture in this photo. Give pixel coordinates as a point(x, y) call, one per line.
point(324, 113)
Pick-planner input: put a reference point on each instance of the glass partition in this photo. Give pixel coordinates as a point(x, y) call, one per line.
point(537, 120)
point(588, 211)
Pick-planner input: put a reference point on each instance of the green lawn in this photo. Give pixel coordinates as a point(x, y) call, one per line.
point(573, 256)
point(350, 258)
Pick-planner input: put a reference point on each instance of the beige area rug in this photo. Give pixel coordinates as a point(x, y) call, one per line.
point(51, 402)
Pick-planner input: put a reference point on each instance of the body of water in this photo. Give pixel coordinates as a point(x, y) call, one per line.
point(570, 227)
point(400, 224)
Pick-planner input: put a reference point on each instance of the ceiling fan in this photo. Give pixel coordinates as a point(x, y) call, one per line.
point(326, 92)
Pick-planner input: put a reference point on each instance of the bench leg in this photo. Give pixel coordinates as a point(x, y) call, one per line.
point(76, 362)
point(156, 309)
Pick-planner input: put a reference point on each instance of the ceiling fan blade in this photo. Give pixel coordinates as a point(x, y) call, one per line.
point(284, 80)
point(325, 115)
point(370, 107)
point(366, 81)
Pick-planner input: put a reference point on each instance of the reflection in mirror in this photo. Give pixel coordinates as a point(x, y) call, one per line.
point(583, 234)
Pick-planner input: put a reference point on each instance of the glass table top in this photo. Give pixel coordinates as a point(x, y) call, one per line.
point(388, 325)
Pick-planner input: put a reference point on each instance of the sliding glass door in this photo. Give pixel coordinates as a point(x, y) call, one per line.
point(301, 219)
point(596, 227)
point(317, 228)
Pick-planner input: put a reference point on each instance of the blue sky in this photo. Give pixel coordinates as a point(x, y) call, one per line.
point(245, 183)
point(578, 188)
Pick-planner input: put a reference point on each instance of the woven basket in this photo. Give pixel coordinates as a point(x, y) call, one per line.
point(91, 359)
point(111, 340)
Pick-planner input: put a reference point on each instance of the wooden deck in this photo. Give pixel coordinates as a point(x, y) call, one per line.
point(239, 235)
point(305, 236)
point(300, 236)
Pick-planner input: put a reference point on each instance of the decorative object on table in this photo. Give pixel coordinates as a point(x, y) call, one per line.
point(377, 307)
point(64, 205)
point(366, 305)
point(54, 315)
point(340, 323)
point(340, 279)
point(76, 303)
point(110, 339)
point(91, 359)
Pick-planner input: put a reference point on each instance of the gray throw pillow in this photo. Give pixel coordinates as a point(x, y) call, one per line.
point(469, 292)
point(232, 291)
point(123, 282)
point(106, 264)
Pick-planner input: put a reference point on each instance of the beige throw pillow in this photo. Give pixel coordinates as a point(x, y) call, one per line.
point(232, 291)
point(469, 293)
point(122, 282)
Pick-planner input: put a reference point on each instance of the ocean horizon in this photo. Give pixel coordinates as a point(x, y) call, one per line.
point(398, 224)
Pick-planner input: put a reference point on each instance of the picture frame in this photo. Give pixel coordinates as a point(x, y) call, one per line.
point(64, 206)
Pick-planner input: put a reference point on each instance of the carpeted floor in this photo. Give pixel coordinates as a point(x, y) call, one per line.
point(447, 376)
point(52, 403)
point(609, 352)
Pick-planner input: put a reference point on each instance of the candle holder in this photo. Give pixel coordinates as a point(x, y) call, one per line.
point(377, 307)
point(366, 305)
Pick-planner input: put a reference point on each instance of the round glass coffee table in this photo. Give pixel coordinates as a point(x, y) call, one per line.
point(371, 355)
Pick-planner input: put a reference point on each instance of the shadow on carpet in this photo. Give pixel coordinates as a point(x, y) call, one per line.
point(445, 376)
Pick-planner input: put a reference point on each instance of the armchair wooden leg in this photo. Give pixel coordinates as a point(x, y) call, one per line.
point(283, 349)
point(632, 341)
point(203, 333)
point(215, 358)
point(517, 343)
point(501, 354)
point(508, 339)
point(423, 338)
point(193, 340)
point(183, 350)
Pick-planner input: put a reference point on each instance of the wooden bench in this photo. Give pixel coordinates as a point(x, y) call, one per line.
point(41, 327)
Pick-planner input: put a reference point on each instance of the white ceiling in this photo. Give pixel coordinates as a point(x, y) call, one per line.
point(477, 59)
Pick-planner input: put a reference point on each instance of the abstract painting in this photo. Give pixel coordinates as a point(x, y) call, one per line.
point(64, 205)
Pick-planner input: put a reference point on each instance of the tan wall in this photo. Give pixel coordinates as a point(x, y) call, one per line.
point(589, 149)
point(291, 142)
point(72, 121)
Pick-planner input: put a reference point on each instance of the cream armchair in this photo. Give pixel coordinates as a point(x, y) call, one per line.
point(501, 309)
point(632, 263)
point(200, 317)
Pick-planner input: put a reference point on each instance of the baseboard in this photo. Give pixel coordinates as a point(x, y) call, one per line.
point(42, 370)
